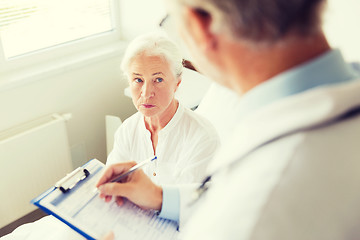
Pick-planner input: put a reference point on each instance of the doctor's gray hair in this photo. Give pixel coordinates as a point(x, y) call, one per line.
point(261, 20)
point(154, 44)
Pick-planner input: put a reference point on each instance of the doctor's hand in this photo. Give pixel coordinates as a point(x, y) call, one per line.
point(136, 187)
point(109, 236)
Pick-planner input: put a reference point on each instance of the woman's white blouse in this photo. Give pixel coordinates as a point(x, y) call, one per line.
point(185, 147)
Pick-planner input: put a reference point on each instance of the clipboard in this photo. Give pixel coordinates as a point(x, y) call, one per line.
point(74, 202)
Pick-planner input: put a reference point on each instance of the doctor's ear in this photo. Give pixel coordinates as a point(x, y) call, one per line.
point(199, 26)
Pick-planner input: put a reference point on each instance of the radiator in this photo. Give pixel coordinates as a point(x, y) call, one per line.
point(33, 156)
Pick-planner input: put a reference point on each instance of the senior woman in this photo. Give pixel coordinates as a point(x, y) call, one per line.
point(182, 141)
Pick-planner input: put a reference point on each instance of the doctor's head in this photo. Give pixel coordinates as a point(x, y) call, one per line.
point(153, 66)
point(213, 30)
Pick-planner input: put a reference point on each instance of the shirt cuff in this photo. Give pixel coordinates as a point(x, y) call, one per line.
point(170, 208)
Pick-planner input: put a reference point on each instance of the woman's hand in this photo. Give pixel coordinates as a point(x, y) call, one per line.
point(137, 187)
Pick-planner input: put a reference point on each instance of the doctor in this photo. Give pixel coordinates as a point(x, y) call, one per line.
point(291, 170)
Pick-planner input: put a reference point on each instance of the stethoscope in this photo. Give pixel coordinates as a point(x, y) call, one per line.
point(205, 185)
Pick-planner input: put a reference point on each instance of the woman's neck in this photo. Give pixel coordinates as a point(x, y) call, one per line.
point(156, 123)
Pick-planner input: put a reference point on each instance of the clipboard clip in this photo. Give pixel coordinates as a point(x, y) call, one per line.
point(71, 179)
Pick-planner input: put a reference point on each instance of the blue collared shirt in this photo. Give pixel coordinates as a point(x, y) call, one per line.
point(329, 68)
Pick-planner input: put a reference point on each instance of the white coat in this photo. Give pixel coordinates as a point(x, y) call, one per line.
point(301, 186)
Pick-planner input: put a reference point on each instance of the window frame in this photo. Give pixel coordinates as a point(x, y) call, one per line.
point(52, 54)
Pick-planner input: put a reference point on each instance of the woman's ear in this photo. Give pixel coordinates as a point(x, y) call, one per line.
point(178, 83)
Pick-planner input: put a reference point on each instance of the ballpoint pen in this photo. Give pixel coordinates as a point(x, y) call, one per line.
point(134, 168)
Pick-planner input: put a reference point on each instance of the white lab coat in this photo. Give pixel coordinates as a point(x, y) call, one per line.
point(301, 186)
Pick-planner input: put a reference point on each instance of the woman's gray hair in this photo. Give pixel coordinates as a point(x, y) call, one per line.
point(154, 44)
point(262, 20)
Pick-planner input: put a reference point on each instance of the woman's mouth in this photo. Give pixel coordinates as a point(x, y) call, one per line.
point(148, 105)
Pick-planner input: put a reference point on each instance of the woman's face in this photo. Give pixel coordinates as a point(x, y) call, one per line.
point(153, 85)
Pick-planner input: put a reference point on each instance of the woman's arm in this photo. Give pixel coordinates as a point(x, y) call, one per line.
point(121, 148)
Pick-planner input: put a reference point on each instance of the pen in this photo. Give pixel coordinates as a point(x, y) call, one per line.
point(134, 168)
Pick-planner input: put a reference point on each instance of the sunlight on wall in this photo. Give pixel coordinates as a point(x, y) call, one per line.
point(140, 16)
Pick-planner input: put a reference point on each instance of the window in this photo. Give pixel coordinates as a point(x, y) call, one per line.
point(37, 27)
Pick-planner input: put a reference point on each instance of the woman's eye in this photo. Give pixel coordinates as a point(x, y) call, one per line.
point(138, 80)
point(159, 79)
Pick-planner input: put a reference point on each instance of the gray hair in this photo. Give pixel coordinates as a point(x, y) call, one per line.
point(262, 20)
point(154, 44)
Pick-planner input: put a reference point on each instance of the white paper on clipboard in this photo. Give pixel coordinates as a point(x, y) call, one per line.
point(83, 210)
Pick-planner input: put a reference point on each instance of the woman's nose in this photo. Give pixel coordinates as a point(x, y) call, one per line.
point(147, 90)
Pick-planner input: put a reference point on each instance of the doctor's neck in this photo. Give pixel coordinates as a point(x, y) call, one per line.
point(249, 67)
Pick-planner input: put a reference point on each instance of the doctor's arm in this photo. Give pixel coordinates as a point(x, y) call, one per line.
point(136, 187)
point(139, 189)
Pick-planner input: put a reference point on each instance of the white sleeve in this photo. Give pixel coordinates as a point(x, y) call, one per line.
point(121, 148)
point(198, 159)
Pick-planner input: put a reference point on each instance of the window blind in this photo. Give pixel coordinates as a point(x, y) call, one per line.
point(32, 25)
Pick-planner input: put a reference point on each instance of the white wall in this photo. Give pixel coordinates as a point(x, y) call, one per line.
point(89, 93)
point(341, 25)
point(140, 16)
